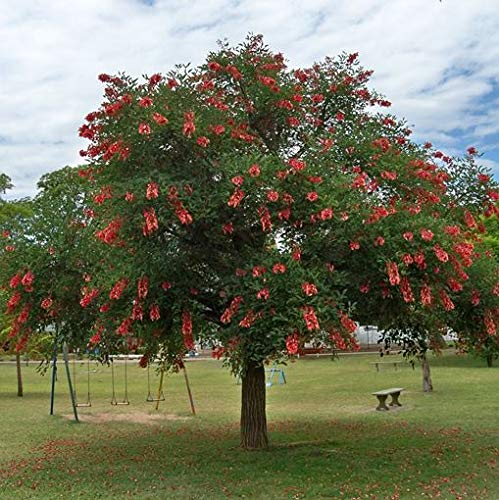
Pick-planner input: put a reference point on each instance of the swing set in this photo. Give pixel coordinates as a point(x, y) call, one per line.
point(72, 383)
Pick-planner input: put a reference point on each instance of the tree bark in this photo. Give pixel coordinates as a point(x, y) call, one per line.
point(253, 415)
point(427, 383)
point(490, 360)
point(20, 392)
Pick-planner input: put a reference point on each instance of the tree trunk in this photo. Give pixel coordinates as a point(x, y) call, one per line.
point(425, 365)
point(253, 416)
point(490, 360)
point(19, 376)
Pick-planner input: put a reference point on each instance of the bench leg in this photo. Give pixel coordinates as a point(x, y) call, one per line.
point(395, 399)
point(382, 403)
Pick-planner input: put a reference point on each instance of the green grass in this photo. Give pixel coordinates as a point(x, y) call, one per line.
point(327, 440)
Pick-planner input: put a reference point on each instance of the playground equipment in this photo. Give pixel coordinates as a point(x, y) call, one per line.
point(88, 402)
point(114, 400)
point(150, 398)
point(160, 395)
point(275, 371)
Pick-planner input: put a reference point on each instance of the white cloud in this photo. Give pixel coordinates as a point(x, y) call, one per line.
point(436, 61)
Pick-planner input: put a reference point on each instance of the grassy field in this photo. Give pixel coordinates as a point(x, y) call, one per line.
point(327, 440)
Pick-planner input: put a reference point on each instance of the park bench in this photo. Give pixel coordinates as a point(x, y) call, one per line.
point(394, 392)
point(395, 364)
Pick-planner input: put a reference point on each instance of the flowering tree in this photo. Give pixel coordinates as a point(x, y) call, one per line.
point(13, 217)
point(251, 205)
point(45, 262)
point(429, 258)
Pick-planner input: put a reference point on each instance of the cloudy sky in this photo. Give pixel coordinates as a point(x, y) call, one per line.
point(438, 62)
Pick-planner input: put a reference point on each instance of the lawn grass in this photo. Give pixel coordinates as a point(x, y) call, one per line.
point(327, 440)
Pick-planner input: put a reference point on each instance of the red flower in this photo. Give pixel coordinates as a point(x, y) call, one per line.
point(272, 196)
point(105, 307)
point(137, 311)
point(144, 129)
point(312, 196)
point(13, 301)
point(364, 288)
point(472, 150)
point(426, 234)
point(454, 285)
point(154, 313)
point(441, 254)
point(393, 273)
point(254, 170)
point(183, 215)
point(88, 296)
point(310, 318)
point(408, 236)
point(14, 281)
point(340, 116)
point(292, 344)
point(317, 98)
point(348, 324)
point(151, 222)
point(265, 220)
point(284, 214)
point(263, 294)
point(189, 127)
point(129, 196)
point(214, 66)
point(483, 178)
point(379, 241)
point(407, 259)
point(238, 180)
point(145, 102)
point(279, 268)
point(202, 141)
point(142, 287)
point(248, 320)
point(469, 219)
point(405, 288)
point(166, 285)
point(446, 301)
point(27, 279)
point(218, 129)
point(296, 164)
point(231, 310)
point(235, 198)
point(118, 289)
point(309, 289)
point(354, 245)
point(258, 271)
point(159, 119)
point(326, 213)
point(124, 327)
point(228, 228)
point(475, 298)
point(426, 295)
point(152, 191)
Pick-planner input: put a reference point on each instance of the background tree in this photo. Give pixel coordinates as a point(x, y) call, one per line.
point(13, 217)
point(46, 268)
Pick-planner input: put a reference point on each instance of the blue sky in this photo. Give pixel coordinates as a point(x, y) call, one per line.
point(438, 62)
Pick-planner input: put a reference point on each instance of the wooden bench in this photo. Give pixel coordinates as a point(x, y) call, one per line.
point(394, 392)
point(395, 364)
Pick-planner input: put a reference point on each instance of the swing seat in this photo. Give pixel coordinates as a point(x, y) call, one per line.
point(120, 403)
point(150, 399)
point(83, 405)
